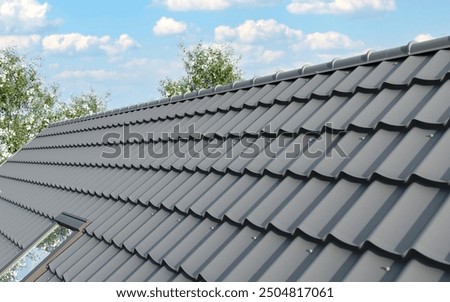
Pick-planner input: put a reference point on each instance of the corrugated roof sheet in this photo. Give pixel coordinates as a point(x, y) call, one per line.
point(338, 172)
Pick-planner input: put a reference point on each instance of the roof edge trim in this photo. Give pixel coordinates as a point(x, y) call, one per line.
point(371, 56)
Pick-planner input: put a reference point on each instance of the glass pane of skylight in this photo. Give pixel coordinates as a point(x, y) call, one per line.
point(36, 254)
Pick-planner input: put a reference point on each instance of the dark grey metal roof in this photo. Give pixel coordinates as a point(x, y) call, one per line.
point(375, 205)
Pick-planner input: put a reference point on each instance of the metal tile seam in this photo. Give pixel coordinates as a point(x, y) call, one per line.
point(413, 177)
point(415, 120)
point(133, 253)
point(23, 206)
point(412, 48)
point(298, 232)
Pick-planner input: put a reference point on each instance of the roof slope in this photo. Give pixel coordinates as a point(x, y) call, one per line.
point(375, 205)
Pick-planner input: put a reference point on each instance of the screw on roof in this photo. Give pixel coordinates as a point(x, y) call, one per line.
point(386, 268)
point(362, 138)
point(310, 251)
point(428, 135)
point(212, 228)
point(254, 237)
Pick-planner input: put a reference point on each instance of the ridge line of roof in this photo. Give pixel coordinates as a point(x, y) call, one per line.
point(371, 56)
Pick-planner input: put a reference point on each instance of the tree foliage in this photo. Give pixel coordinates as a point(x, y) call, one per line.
point(205, 66)
point(27, 104)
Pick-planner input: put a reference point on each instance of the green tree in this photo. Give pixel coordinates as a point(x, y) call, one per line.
point(205, 66)
point(27, 104)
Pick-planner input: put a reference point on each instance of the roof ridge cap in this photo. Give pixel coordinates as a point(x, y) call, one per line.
point(371, 56)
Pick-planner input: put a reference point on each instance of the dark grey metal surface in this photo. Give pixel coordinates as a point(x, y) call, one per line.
point(374, 206)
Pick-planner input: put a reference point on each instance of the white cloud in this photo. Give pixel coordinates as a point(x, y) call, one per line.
point(168, 26)
point(423, 37)
point(121, 45)
point(21, 42)
point(251, 30)
point(338, 6)
point(330, 40)
point(184, 5)
point(190, 5)
point(98, 74)
point(270, 55)
point(23, 15)
point(79, 42)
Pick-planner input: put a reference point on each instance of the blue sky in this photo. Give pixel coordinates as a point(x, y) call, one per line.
point(127, 47)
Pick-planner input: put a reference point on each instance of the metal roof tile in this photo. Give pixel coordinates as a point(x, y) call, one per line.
point(407, 70)
point(436, 67)
point(372, 154)
point(327, 86)
point(287, 94)
point(371, 267)
point(331, 263)
point(294, 258)
point(320, 118)
point(258, 125)
point(314, 151)
point(229, 255)
point(301, 204)
point(143, 272)
point(253, 100)
point(272, 95)
point(135, 224)
point(342, 153)
point(144, 229)
point(327, 213)
point(375, 110)
point(408, 154)
point(249, 199)
point(247, 155)
point(183, 199)
point(415, 271)
point(437, 108)
point(408, 105)
point(378, 75)
point(120, 269)
point(402, 225)
point(101, 255)
point(199, 258)
point(173, 238)
point(306, 91)
point(71, 256)
point(435, 164)
point(432, 246)
point(235, 95)
point(350, 110)
point(48, 276)
point(203, 202)
point(253, 263)
point(176, 189)
point(351, 81)
point(162, 187)
point(368, 211)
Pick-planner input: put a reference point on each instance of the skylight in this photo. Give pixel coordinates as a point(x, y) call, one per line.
point(36, 254)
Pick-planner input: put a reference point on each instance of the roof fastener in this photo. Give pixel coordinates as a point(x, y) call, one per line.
point(428, 135)
point(211, 228)
point(386, 268)
point(179, 220)
point(254, 237)
point(362, 138)
point(310, 251)
point(152, 214)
